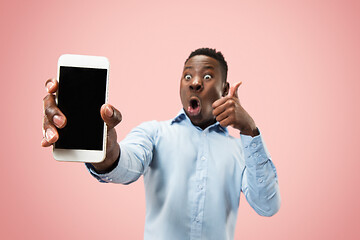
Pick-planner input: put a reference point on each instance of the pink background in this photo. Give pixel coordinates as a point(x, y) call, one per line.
point(299, 63)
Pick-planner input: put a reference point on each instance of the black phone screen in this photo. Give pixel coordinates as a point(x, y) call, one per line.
point(81, 93)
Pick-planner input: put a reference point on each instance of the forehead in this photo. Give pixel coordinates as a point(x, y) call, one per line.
point(200, 62)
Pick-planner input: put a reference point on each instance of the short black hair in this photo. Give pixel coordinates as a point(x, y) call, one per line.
point(211, 52)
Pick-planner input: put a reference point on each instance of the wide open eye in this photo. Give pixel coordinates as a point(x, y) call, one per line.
point(207, 77)
point(187, 77)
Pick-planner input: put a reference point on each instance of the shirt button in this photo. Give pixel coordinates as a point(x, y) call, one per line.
point(253, 145)
point(256, 154)
point(197, 220)
point(200, 187)
point(203, 158)
point(204, 134)
point(260, 180)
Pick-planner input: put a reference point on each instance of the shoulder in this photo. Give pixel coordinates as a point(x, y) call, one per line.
point(152, 128)
point(154, 125)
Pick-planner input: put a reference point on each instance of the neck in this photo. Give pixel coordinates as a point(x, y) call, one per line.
point(205, 124)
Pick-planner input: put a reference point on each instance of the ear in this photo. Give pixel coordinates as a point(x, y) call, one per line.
point(226, 89)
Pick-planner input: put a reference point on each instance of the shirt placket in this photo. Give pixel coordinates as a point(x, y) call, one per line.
point(200, 187)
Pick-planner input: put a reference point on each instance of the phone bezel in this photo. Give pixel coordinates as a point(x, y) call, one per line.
point(79, 155)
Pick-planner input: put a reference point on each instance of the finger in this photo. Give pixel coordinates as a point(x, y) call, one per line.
point(220, 101)
point(51, 85)
point(225, 122)
point(50, 132)
point(112, 144)
point(112, 139)
point(222, 116)
point(110, 115)
point(234, 90)
point(229, 103)
point(45, 143)
point(51, 135)
point(52, 112)
point(218, 110)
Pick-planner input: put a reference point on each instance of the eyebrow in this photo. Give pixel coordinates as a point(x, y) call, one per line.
point(209, 67)
point(205, 67)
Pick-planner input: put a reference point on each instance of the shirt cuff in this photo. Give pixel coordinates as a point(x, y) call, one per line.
point(255, 151)
point(101, 177)
point(122, 173)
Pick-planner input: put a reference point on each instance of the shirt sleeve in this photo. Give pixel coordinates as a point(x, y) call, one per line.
point(136, 152)
point(260, 181)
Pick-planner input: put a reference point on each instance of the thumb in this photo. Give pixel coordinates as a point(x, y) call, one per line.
point(234, 90)
point(110, 115)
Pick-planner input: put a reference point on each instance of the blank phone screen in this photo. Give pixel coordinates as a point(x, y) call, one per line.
point(81, 93)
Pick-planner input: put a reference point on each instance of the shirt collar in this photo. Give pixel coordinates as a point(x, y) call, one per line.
point(181, 116)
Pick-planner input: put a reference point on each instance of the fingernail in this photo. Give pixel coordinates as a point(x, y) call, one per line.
point(109, 111)
point(49, 134)
point(43, 141)
point(58, 120)
point(49, 85)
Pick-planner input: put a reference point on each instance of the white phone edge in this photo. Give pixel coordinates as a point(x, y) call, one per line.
point(78, 155)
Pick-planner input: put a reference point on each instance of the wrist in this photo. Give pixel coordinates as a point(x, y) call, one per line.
point(250, 131)
point(109, 164)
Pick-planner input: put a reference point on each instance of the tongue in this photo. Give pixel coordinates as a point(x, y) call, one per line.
point(194, 110)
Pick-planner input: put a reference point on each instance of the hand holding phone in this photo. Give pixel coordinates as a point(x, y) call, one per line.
point(73, 134)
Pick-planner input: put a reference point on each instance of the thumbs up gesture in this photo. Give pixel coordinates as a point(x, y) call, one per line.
point(229, 112)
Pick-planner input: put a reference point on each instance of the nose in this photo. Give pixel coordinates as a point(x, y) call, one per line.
point(196, 85)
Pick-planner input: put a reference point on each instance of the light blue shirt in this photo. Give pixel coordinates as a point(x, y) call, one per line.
point(193, 178)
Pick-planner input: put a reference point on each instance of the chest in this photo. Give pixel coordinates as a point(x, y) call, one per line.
point(184, 153)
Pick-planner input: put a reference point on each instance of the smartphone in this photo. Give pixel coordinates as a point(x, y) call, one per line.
point(83, 88)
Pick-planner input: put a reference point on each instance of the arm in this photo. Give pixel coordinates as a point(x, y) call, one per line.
point(136, 155)
point(260, 183)
point(124, 163)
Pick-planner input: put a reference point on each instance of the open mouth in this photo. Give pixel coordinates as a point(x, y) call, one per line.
point(194, 106)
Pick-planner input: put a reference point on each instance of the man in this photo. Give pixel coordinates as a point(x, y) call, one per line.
point(193, 169)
